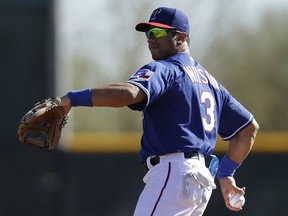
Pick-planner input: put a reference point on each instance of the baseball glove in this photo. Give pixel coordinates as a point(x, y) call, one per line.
point(42, 125)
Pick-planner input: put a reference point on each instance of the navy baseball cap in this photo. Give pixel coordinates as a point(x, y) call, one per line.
point(168, 18)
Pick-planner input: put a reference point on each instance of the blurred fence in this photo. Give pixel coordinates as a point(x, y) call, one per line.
point(81, 142)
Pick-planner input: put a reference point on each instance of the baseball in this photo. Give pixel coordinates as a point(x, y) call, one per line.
point(237, 200)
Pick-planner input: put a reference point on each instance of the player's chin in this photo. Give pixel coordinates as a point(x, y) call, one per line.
point(157, 55)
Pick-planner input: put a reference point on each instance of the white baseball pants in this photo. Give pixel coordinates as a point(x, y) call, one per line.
point(177, 186)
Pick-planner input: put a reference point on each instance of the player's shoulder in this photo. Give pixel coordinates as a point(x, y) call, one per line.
point(159, 66)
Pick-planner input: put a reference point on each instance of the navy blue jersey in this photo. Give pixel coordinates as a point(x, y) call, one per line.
point(185, 108)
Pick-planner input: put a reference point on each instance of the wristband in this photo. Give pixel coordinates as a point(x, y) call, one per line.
point(227, 168)
point(81, 97)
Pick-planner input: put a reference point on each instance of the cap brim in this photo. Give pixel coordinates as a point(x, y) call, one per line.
point(142, 27)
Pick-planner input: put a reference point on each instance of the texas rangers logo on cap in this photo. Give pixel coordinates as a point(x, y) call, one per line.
point(167, 18)
point(154, 14)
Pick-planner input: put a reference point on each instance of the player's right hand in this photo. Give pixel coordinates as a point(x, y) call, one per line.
point(228, 186)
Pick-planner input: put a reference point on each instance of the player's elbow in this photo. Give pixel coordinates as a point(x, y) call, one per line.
point(249, 133)
point(136, 94)
point(127, 94)
point(254, 128)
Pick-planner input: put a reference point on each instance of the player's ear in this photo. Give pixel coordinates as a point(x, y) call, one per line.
point(181, 37)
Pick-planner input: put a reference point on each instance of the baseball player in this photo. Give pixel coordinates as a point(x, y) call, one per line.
point(184, 108)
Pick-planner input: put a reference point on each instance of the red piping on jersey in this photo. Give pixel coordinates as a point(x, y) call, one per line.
point(162, 190)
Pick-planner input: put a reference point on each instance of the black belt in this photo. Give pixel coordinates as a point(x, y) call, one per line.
point(156, 160)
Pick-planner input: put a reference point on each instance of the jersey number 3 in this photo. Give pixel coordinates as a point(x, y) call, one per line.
point(208, 101)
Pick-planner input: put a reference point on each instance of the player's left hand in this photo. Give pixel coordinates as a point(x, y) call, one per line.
point(228, 186)
point(65, 104)
point(42, 125)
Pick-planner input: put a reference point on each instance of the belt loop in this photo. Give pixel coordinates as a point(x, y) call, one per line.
point(151, 161)
point(148, 162)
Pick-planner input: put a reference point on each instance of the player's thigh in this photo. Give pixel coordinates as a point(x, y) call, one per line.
point(164, 193)
point(154, 181)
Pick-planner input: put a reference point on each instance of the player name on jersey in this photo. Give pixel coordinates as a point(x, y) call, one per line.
point(200, 75)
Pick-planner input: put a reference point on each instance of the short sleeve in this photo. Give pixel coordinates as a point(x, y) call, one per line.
point(233, 118)
point(154, 79)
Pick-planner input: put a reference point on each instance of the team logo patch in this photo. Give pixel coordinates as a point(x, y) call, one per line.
point(143, 74)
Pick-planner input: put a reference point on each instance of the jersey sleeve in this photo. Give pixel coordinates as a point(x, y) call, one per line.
point(154, 79)
point(233, 118)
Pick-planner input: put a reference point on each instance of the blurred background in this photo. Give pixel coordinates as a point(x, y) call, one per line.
point(50, 47)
